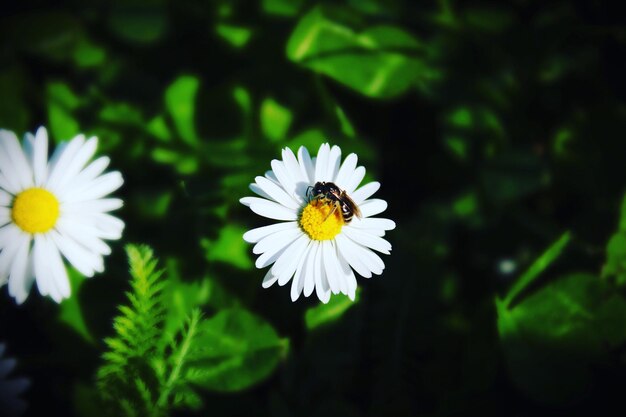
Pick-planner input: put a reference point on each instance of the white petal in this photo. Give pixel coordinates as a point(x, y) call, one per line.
point(84, 235)
point(43, 273)
point(367, 239)
point(78, 162)
point(19, 285)
point(100, 225)
point(272, 253)
point(11, 181)
point(269, 209)
point(373, 207)
point(306, 165)
point(10, 147)
point(82, 181)
point(322, 289)
point(98, 188)
point(5, 216)
point(330, 266)
point(321, 164)
point(59, 273)
point(277, 193)
point(93, 206)
point(254, 235)
point(293, 167)
point(61, 160)
point(259, 191)
point(287, 183)
point(334, 161)
point(285, 266)
point(372, 223)
point(277, 240)
point(40, 156)
point(84, 261)
point(349, 276)
point(269, 279)
point(347, 249)
point(365, 192)
point(354, 180)
point(368, 258)
point(297, 284)
point(346, 171)
point(5, 198)
point(10, 239)
point(309, 269)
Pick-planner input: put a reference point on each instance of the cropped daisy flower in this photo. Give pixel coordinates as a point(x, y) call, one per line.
point(50, 208)
point(10, 388)
point(327, 227)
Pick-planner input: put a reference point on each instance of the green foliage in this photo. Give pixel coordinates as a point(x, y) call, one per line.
point(332, 311)
point(163, 350)
point(615, 265)
point(275, 119)
point(229, 247)
point(71, 311)
point(180, 102)
point(553, 337)
point(235, 349)
point(62, 102)
point(378, 61)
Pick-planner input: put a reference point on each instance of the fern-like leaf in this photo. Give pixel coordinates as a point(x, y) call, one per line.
point(127, 381)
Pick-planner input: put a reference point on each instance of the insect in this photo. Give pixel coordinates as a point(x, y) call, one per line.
point(339, 198)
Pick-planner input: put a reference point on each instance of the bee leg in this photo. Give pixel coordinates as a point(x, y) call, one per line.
point(335, 205)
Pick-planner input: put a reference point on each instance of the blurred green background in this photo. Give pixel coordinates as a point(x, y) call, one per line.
point(495, 128)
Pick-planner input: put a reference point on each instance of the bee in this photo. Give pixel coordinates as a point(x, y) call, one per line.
point(339, 198)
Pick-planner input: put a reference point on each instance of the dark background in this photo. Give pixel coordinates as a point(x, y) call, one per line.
point(507, 133)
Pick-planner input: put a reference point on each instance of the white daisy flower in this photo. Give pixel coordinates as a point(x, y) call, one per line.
point(11, 388)
point(321, 239)
point(50, 208)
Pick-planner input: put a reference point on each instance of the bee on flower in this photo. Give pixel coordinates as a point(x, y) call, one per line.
point(326, 229)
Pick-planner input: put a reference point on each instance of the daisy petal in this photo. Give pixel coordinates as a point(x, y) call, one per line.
point(87, 263)
point(61, 160)
point(40, 156)
point(297, 284)
point(269, 279)
point(254, 235)
point(277, 193)
point(276, 240)
point(354, 180)
point(322, 288)
point(330, 259)
point(269, 209)
point(271, 255)
point(10, 239)
point(373, 207)
point(369, 240)
point(373, 223)
point(347, 249)
point(19, 283)
point(346, 171)
point(309, 274)
point(285, 266)
point(321, 164)
point(365, 192)
point(20, 169)
point(306, 165)
point(334, 160)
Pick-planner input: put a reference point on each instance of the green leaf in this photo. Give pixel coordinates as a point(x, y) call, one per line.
point(70, 311)
point(229, 247)
point(615, 265)
point(61, 103)
point(553, 337)
point(237, 36)
point(275, 119)
point(540, 264)
point(87, 55)
point(380, 61)
point(287, 8)
point(13, 112)
point(327, 313)
point(138, 21)
point(180, 99)
point(234, 350)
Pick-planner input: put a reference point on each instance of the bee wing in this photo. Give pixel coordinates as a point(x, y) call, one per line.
point(345, 198)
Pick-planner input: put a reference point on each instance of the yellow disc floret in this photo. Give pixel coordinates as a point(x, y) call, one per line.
point(35, 210)
point(318, 222)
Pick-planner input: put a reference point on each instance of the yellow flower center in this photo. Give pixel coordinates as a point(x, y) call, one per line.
point(317, 221)
point(35, 210)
